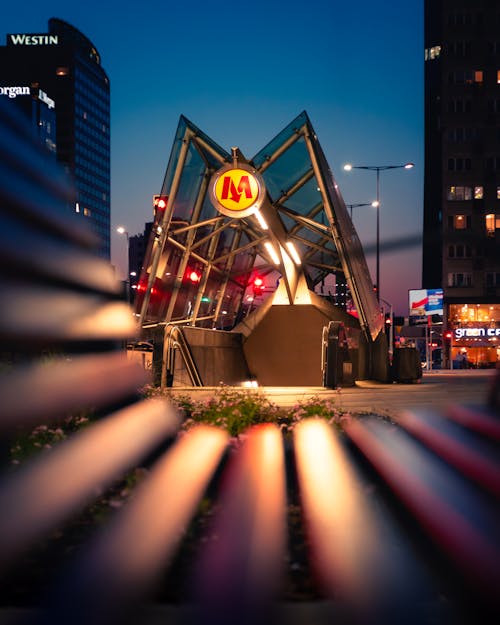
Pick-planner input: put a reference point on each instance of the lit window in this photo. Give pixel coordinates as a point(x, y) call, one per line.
point(478, 76)
point(432, 53)
point(498, 76)
point(87, 212)
point(460, 223)
point(459, 193)
point(62, 71)
point(498, 193)
point(478, 193)
point(492, 223)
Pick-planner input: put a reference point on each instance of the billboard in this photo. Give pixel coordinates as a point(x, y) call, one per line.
point(425, 304)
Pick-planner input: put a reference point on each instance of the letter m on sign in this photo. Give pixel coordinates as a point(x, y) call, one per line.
point(233, 192)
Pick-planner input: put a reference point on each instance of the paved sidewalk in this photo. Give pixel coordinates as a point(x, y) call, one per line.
point(435, 390)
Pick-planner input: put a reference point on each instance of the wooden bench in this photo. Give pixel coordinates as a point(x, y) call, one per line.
point(392, 523)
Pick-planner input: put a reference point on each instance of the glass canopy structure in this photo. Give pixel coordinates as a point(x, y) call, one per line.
point(209, 269)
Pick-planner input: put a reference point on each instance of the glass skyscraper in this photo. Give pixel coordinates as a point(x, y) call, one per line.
point(462, 173)
point(66, 65)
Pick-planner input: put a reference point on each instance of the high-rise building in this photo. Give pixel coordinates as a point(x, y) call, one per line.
point(61, 70)
point(136, 253)
point(461, 252)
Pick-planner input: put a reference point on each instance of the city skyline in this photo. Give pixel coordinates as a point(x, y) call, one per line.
point(241, 77)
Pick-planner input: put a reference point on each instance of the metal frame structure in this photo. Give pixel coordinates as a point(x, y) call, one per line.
point(300, 235)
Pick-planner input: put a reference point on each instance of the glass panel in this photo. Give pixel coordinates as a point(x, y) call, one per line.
point(287, 170)
point(288, 132)
point(305, 199)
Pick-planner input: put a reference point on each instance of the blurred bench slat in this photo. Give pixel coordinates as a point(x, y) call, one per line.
point(48, 314)
point(461, 522)
point(470, 455)
point(126, 556)
point(63, 479)
point(60, 386)
point(45, 258)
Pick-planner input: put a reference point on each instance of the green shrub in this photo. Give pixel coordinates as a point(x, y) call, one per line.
point(232, 409)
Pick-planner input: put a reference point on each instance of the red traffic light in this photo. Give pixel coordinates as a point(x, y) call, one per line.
point(194, 276)
point(160, 202)
point(258, 285)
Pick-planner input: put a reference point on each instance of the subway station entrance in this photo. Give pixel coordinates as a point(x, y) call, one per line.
point(249, 260)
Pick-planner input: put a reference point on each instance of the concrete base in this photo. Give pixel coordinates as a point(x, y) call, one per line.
point(284, 348)
point(278, 345)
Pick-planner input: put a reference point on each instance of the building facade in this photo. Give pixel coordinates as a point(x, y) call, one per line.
point(65, 67)
point(136, 253)
point(461, 252)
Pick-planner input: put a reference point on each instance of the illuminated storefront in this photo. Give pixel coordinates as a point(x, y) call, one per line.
point(475, 334)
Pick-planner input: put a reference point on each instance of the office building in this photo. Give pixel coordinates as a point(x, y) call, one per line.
point(462, 173)
point(62, 70)
point(137, 247)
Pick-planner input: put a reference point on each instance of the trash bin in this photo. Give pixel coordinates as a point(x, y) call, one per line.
point(406, 365)
point(330, 356)
point(336, 364)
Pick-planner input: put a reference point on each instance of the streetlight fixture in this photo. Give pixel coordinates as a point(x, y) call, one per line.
point(378, 169)
point(351, 206)
point(121, 230)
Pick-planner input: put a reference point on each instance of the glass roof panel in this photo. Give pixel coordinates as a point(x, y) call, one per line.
point(281, 138)
point(187, 128)
point(191, 178)
point(287, 170)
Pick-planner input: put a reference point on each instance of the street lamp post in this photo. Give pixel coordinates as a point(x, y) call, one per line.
point(378, 169)
point(121, 230)
point(391, 328)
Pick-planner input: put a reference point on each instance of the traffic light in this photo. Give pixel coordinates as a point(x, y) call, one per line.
point(447, 355)
point(258, 286)
point(159, 203)
point(193, 276)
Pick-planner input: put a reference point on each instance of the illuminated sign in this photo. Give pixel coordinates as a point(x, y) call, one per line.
point(237, 191)
point(426, 302)
point(43, 97)
point(13, 92)
point(468, 333)
point(33, 40)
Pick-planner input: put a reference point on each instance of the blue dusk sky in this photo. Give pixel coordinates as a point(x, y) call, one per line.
point(241, 72)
